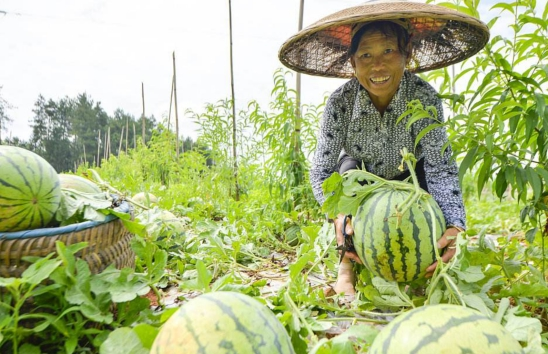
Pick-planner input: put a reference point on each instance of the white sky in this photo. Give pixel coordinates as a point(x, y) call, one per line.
point(61, 48)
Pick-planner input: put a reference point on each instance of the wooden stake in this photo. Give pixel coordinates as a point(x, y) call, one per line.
point(170, 102)
point(127, 129)
point(176, 111)
point(143, 115)
point(134, 137)
point(121, 139)
point(236, 186)
point(98, 148)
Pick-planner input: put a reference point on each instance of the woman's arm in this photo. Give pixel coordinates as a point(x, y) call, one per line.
point(441, 171)
point(331, 137)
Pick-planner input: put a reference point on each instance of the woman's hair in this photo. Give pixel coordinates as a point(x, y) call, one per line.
point(387, 28)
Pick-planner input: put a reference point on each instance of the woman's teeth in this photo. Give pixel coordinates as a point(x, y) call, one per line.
point(380, 80)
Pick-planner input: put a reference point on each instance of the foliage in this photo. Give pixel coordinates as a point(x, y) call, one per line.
point(274, 244)
point(75, 131)
point(59, 306)
point(499, 124)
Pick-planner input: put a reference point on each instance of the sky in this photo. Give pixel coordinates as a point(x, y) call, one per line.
point(107, 49)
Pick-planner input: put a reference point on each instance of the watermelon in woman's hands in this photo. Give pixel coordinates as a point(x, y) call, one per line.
point(395, 245)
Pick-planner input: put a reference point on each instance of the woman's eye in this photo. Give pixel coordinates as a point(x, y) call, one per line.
point(389, 51)
point(366, 55)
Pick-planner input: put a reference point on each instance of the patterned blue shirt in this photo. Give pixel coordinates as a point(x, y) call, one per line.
point(351, 122)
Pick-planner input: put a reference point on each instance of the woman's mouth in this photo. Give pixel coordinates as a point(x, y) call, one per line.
point(380, 79)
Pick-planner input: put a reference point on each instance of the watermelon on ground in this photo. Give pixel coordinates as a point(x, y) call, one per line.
point(30, 191)
point(145, 198)
point(448, 329)
point(223, 322)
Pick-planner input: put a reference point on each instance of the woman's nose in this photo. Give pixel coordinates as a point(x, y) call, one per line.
point(378, 62)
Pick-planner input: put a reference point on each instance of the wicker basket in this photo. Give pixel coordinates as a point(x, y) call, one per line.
point(108, 243)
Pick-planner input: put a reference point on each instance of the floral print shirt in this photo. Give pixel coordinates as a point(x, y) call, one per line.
point(351, 122)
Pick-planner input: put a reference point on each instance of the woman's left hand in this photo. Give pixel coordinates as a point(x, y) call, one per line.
point(448, 242)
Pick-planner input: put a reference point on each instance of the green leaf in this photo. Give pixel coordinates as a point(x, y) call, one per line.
point(29, 349)
point(296, 268)
point(467, 162)
point(519, 326)
point(504, 6)
point(425, 131)
point(528, 290)
point(5, 282)
point(535, 182)
point(332, 189)
point(530, 234)
point(472, 274)
point(146, 334)
point(344, 343)
point(476, 302)
point(204, 276)
point(123, 340)
point(40, 270)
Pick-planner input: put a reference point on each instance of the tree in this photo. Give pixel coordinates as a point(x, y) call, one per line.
point(88, 121)
point(51, 137)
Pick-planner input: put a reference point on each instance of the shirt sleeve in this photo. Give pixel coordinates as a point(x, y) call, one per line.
point(330, 140)
point(441, 170)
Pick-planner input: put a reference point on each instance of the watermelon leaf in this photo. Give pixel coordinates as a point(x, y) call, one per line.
point(332, 189)
point(123, 340)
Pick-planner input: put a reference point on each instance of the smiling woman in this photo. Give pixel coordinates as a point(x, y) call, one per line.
point(380, 45)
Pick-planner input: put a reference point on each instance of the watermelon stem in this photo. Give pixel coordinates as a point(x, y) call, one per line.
point(409, 159)
point(302, 319)
point(357, 319)
point(453, 287)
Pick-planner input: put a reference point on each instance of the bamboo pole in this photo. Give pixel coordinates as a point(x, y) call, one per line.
point(143, 115)
point(105, 148)
point(176, 111)
point(170, 103)
point(127, 129)
point(121, 139)
point(134, 137)
point(236, 186)
point(98, 148)
point(108, 144)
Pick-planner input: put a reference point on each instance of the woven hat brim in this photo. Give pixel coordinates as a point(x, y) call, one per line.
point(440, 37)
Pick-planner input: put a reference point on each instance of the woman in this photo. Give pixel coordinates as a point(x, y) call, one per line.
point(359, 123)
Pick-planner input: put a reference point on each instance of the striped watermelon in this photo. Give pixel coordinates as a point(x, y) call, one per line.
point(30, 192)
point(222, 322)
point(78, 183)
point(448, 329)
point(396, 248)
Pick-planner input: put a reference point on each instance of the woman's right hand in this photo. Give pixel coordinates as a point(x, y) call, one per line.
point(339, 221)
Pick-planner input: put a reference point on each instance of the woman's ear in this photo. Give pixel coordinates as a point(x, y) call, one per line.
point(353, 62)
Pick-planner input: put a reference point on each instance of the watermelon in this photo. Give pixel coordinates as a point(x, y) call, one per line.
point(78, 183)
point(444, 329)
point(145, 198)
point(394, 246)
point(30, 191)
point(222, 322)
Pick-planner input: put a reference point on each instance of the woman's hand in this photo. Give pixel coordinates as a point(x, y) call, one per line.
point(447, 242)
point(340, 238)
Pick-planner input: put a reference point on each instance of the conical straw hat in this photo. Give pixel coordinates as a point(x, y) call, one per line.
point(439, 36)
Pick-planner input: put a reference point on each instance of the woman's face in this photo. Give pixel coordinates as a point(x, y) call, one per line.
point(379, 65)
